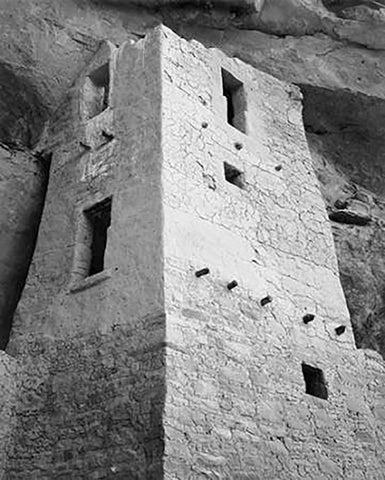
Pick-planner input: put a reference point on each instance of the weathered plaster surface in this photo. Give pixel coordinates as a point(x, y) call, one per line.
point(235, 405)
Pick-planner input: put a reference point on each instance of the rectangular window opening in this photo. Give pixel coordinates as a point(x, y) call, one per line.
point(234, 176)
point(97, 90)
point(234, 93)
point(314, 381)
point(99, 220)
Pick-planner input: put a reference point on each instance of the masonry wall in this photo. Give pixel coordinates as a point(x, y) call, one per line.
point(236, 406)
point(8, 389)
point(90, 349)
point(20, 172)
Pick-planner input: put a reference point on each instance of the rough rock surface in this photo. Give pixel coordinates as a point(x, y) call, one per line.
point(345, 133)
point(23, 180)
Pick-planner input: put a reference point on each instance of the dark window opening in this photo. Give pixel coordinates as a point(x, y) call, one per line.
point(234, 93)
point(97, 90)
point(233, 175)
point(314, 381)
point(99, 218)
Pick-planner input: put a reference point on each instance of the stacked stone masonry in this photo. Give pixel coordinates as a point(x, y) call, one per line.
point(145, 370)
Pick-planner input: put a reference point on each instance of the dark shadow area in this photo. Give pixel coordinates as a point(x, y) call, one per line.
point(346, 137)
point(352, 129)
point(314, 381)
point(233, 91)
point(23, 184)
point(97, 89)
point(99, 220)
point(22, 116)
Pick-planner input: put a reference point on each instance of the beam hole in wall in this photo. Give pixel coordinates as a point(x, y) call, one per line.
point(99, 220)
point(96, 91)
point(314, 381)
point(233, 175)
point(234, 93)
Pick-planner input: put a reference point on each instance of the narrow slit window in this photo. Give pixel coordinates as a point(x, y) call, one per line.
point(234, 93)
point(97, 90)
point(233, 175)
point(314, 381)
point(99, 220)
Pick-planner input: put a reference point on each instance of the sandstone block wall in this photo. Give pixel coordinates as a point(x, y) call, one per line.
point(236, 405)
point(8, 392)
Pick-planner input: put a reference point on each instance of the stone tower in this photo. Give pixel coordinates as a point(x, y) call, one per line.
point(183, 316)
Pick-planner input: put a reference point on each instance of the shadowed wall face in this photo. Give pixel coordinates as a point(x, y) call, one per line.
point(22, 114)
point(23, 181)
point(88, 333)
point(346, 136)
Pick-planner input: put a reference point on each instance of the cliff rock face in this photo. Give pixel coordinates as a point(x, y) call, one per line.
point(23, 179)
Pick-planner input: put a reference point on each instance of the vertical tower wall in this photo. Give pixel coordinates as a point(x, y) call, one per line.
point(91, 347)
point(236, 404)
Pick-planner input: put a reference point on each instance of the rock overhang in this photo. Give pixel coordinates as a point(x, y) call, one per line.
point(250, 5)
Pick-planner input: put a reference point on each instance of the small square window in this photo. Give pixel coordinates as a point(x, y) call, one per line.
point(314, 381)
point(99, 220)
point(234, 93)
point(233, 175)
point(96, 91)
